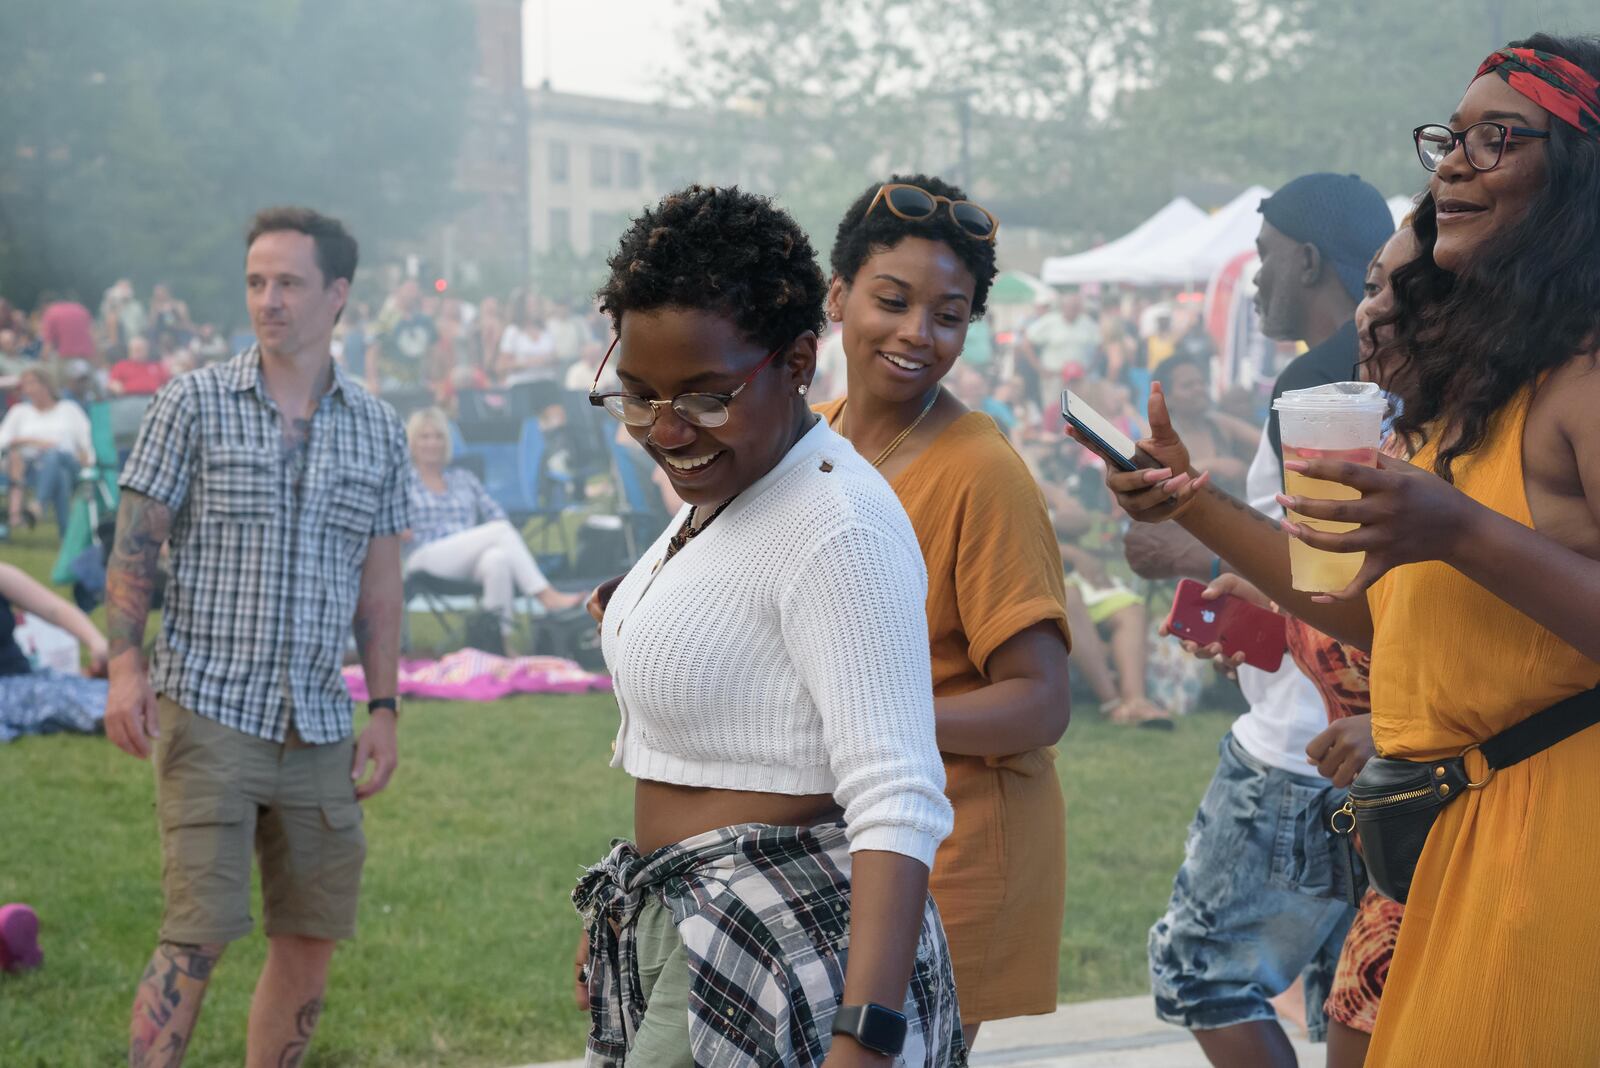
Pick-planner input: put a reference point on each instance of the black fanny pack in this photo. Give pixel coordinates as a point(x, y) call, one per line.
point(1393, 803)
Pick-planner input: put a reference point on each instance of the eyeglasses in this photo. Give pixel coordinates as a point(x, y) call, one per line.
point(1485, 143)
point(697, 409)
point(914, 204)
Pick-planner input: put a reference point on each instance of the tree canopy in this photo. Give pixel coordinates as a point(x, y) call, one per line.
point(1085, 115)
point(139, 138)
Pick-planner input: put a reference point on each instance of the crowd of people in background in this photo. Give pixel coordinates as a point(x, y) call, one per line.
point(1107, 343)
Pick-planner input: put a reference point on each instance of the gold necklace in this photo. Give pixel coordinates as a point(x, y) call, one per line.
point(895, 444)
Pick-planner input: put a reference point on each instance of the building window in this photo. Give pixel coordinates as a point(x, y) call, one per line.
point(560, 228)
point(600, 167)
point(630, 173)
point(560, 164)
point(605, 227)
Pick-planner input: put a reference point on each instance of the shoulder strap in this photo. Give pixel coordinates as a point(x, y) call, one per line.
point(1543, 729)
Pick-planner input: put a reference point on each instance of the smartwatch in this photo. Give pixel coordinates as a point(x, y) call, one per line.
point(384, 702)
point(880, 1029)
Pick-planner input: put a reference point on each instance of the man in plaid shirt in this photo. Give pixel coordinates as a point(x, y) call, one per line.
point(279, 485)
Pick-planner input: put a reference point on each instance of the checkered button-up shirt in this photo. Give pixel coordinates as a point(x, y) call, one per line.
point(764, 914)
point(463, 505)
point(266, 551)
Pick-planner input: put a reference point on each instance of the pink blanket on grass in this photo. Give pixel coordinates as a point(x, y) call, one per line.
point(469, 675)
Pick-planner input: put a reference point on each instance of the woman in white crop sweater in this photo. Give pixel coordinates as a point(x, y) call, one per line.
point(770, 658)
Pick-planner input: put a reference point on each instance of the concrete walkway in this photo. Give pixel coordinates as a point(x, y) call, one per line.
point(1117, 1033)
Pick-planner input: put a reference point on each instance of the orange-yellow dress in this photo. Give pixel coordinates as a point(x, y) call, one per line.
point(1498, 961)
point(993, 570)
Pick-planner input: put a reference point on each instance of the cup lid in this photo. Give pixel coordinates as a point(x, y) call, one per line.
point(1333, 397)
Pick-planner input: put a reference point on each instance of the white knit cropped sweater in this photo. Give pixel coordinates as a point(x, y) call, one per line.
point(785, 650)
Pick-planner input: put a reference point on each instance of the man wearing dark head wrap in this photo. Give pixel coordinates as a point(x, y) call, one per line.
point(1261, 900)
point(1318, 233)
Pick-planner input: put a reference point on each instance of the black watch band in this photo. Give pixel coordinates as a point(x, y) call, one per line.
point(880, 1029)
point(390, 703)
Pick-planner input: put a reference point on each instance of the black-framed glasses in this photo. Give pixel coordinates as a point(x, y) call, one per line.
point(697, 409)
point(1485, 143)
point(913, 204)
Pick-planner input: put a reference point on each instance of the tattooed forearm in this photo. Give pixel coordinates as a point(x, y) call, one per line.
point(142, 525)
point(1238, 505)
point(305, 1023)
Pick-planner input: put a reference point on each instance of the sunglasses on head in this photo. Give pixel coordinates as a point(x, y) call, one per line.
point(914, 204)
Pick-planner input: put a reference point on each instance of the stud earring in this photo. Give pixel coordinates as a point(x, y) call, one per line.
point(803, 390)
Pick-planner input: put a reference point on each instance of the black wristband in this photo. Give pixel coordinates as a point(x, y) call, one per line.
point(384, 702)
point(876, 1027)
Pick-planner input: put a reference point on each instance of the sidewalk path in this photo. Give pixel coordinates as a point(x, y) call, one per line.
point(1117, 1033)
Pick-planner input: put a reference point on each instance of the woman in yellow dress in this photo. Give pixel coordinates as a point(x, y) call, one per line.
point(1479, 597)
point(912, 263)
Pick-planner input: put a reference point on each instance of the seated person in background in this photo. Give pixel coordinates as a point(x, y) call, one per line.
point(140, 373)
point(40, 701)
point(46, 441)
point(460, 533)
point(1109, 621)
point(1226, 442)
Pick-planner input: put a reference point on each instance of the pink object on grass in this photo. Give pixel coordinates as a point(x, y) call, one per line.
point(470, 675)
point(19, 939)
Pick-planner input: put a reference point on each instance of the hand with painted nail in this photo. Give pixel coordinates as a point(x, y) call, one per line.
point(1405, 515)
point(1236, 586)
point(1151, 495)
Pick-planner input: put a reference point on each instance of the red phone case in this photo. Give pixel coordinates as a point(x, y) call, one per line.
point(1240, 626)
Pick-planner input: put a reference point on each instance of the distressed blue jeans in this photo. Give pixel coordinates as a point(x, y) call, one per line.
point(1260, 899)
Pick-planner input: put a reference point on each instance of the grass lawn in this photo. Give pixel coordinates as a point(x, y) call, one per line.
point(466, 933)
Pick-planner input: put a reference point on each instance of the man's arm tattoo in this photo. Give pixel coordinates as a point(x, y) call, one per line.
point(142, 525)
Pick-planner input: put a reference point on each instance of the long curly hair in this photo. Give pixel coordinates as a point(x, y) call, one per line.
point(723, 250)
point(1466, 344)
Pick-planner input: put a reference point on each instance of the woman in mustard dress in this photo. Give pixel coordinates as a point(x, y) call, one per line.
point(1479, 596)
point(912, 264)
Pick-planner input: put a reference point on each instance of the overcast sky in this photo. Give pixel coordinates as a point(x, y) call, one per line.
point(602, 47)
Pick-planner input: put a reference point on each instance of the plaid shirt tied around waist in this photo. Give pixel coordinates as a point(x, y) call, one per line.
point(267, 548)
point(764, 913)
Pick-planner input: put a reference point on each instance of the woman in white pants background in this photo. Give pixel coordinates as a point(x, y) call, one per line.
point(459, 533)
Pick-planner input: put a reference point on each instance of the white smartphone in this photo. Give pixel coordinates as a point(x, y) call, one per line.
point(1106, 438)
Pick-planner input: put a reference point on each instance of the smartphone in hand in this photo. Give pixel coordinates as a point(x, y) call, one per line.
point(1238, 625)
point(1103, 436)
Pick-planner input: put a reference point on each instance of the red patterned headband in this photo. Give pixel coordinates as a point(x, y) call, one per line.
point(1558, 85)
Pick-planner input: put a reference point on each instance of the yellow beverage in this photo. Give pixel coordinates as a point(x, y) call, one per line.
point(1317, 570)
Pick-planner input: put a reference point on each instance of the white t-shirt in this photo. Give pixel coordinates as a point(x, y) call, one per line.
point(64, 426)
point(1286, 709)
point(1060, 342)
point(533, 354)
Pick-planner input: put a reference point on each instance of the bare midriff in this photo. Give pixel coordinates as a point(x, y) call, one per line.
point(664, 813)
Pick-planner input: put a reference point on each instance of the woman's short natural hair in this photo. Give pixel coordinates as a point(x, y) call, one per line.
point(861, 235)
point(430, 417)
point(722, 250)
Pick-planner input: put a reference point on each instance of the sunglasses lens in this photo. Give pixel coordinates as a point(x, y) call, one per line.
point(631, 410)
point(701, 409)
point(911, 203)
point(972, 219)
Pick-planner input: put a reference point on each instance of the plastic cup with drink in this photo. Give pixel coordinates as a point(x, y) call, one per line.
point(1339, 421)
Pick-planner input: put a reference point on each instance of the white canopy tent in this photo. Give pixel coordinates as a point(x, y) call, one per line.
point(1193, 255)
point(1108, 262)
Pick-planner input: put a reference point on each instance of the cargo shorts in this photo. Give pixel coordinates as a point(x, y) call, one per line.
point(222, 795)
